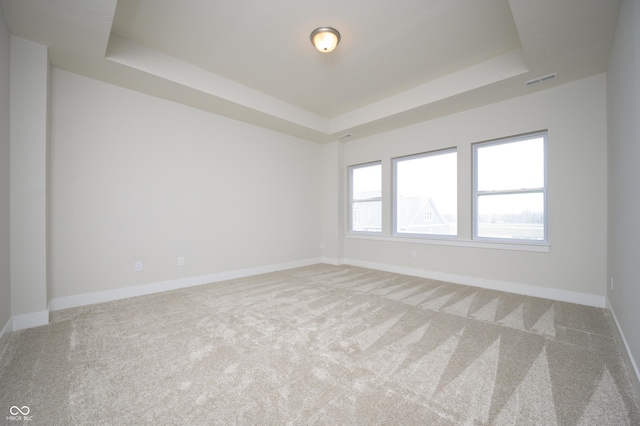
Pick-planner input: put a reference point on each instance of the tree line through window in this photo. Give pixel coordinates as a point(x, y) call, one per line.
point(509, 192)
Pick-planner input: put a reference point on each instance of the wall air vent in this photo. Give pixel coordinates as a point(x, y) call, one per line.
point(541, 79)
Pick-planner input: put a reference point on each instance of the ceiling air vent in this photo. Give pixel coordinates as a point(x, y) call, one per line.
point(542, 79)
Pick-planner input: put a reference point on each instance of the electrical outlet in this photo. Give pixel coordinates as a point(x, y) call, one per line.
point(413, 253)
point(181, 261)
point(137, 266)
point(611, 283)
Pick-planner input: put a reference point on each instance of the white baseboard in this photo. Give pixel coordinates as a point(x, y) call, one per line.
point(141, 290)
point(5, 333)
point(35, 319)
point(632, 367)
point(524, 289)
point(332, 261)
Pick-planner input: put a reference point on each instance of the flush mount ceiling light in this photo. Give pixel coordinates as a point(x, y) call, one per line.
point(325, 39)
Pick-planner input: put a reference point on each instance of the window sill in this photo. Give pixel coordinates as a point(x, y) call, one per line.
point(517, 246)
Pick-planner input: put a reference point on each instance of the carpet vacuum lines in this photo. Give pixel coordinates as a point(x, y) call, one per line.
point(320, 345)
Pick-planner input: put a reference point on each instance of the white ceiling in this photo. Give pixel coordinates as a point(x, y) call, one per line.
point(398, 62)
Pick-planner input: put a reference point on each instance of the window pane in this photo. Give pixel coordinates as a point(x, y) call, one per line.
point(513, 216)
point(514, 165)
point(426, 194)
point(366, 193)
point(367, 182)
point(366, 216)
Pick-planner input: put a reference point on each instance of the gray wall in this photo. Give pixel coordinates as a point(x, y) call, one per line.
point(5, 284)
point(623, 91)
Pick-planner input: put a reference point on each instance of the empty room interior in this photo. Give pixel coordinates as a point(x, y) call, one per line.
point(338, 212)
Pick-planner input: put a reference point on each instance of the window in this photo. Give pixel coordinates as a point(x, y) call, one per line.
point(356, 216)
point(510, 189)
point(365, 194)
point(425, 194)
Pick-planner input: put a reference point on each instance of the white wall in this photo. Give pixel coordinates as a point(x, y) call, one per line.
point(135, 177)
point(332, 202)
point(28, 123)
point(5, 247)
point(575, 266)
point(623, 91)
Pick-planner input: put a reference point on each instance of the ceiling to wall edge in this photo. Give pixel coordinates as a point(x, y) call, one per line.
point(255, 107)
point(119, 61)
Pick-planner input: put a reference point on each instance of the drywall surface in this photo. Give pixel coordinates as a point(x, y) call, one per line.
point(28, 156)
point(623, 93)
point(137, 178)
point(574, 115)
point(5, 245)
point(332, 201)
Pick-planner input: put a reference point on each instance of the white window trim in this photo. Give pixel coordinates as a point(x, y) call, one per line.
point(512, 245)
point(543, 190)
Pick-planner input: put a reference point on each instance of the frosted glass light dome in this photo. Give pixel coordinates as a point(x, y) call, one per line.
point(325, 39)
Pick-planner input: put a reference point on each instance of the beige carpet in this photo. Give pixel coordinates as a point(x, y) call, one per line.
point(320, 345)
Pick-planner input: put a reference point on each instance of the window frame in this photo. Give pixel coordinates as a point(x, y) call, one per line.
point(476, 194)
point(394, 193)
point(350, 213)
